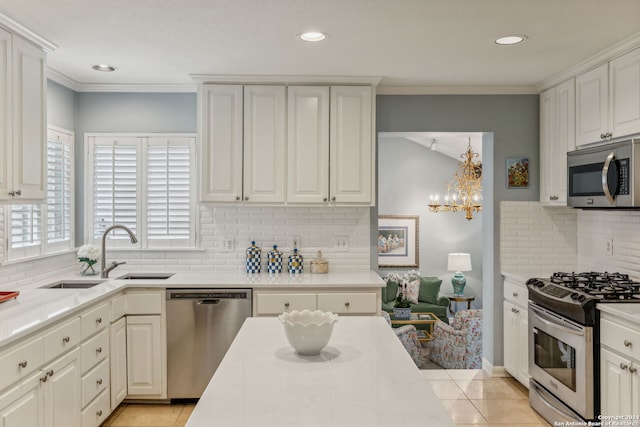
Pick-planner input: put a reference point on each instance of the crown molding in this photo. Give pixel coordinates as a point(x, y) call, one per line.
point(62, 79)
point(269, 79)
point(75, 85)
point(599, 58)
point(457, 90)
point(23, 31)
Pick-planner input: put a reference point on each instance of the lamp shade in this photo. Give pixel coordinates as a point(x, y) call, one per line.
point(459, 262)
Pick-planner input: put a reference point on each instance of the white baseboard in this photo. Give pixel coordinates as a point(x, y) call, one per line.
point(494, 371)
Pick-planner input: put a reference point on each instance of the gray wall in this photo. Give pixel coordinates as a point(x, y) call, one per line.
point(128, 112)
point(407, 174)
point(62, 106)
point(514, 122)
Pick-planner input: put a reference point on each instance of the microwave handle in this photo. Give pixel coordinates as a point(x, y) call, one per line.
point(605, 179)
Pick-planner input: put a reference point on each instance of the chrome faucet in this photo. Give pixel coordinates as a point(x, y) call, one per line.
point(104, 271)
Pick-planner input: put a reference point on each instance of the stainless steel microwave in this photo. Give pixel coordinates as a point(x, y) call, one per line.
point(606, 176)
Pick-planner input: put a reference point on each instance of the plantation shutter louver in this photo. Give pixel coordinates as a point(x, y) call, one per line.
point(59, 191)
point(26, 229)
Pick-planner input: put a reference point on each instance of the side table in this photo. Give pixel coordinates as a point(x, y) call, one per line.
point(457, 299)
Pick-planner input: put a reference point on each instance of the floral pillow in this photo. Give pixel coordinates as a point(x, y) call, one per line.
point(411, 291)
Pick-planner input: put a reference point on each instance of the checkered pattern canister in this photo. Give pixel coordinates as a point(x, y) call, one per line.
point(295, 263)
point(253, 258)
point(274, 260)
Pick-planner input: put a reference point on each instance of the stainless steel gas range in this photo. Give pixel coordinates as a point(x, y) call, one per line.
point(564, 340)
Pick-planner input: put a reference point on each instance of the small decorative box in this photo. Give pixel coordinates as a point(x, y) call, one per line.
point(274, 260)
point(253, 258)
point(295, 262)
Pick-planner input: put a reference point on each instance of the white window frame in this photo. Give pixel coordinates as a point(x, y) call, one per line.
point(140, 140)
point(46, 248)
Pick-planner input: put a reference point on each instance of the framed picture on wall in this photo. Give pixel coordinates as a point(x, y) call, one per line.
point(517, 172)
point(398, 237)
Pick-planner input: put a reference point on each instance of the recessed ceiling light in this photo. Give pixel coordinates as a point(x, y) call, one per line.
point(313, 36)
point(104, 68)
point(510, 40)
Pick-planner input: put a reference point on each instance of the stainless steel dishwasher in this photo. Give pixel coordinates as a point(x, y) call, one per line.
point(201, 324)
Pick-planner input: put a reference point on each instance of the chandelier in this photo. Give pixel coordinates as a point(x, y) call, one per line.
point(464, 191)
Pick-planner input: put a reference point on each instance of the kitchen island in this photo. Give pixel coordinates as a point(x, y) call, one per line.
point(364, 377)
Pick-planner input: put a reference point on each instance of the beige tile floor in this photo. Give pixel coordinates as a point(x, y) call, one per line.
point(471, 397)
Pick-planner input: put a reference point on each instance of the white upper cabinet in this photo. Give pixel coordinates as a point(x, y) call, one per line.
point(592, 105)
point(287, 144)
point(308, 144)
point(22, 119)
point(351, 146)
point(221, 143)
point(624, 97)
point(264, 143)
point(557, 137)
point(608, 100)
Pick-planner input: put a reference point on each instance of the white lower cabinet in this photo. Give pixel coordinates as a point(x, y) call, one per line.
point(20, 405)
point(619, 366)
point(144, 355)
point(516, 324)
point(272, 302)
point(118, 358)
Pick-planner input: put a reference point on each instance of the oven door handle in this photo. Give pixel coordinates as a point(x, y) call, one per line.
point(542, 316)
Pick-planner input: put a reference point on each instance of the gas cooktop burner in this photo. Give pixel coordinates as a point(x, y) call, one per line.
point(606, 286)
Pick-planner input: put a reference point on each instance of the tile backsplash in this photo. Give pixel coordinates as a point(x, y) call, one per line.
point(314, 227)
point(536, 238)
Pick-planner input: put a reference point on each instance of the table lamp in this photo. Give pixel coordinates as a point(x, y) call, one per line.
point(459, 262)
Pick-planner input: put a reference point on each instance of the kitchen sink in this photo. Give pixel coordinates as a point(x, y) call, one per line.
point(73, 284)
point(145, 276)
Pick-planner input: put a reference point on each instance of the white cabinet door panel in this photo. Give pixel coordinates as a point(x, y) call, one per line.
point(144, 355)
point(21, 405)
point(592, 105)
point(5, 112)
point(308, 144)
point(615, 384)
point(624, 97)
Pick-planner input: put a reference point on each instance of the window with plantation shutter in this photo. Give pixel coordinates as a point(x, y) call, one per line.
point(37, 229)
point(146, 183)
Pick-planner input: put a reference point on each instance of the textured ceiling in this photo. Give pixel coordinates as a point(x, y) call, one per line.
point(406, 42)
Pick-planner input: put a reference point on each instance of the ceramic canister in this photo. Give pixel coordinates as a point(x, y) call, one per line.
point(274, 260)
point(253, 258)
point(295, 262)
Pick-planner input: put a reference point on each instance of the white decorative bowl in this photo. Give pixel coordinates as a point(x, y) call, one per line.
point(308, 331)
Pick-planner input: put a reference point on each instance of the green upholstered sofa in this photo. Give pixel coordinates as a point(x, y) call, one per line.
point(429, 298)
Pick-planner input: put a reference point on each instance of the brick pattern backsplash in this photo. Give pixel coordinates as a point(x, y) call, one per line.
point(315, 227)
point(536, 238)
point(619, 229)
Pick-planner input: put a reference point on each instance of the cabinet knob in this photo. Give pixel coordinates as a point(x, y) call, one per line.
point(286, 304)
point(333, 199)
point(553, 198)
point(632, 369)
point(23, 364)
point(237, 197)
point(325, 200)
point(623, 366)
point(515, 310)
point(99, 320)
point(627, 343)
point(43, 379)
point(246, 198)
point(99, 413)
point(602, 136)
point(347, 304)
point(50, 372)
point(66, 339)
point(99, 381)
point(515, 294)
point(18, 192)
point(99, 350)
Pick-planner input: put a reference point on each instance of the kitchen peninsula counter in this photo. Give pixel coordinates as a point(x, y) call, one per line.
point(364, 377)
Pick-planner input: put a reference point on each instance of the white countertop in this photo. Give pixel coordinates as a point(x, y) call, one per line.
point(628, 311)
point(364, 377)
point(36, 308)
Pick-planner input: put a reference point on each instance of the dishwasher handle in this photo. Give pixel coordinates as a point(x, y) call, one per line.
point(210, 295)
point(208, 302)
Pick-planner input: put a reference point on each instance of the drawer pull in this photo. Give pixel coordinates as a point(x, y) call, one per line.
point(99, 350)
point(627, 343)
point(286, 304)
point(346, 304)
point(99, 382)
point(50, 372)
point(632, 369)
point(99, 413)
point(623, 366)
point(515, 294)
point(66, 339)
point(43, 379)
point(99, 320)
point(23, 364)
